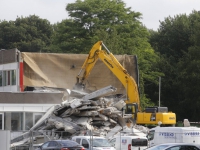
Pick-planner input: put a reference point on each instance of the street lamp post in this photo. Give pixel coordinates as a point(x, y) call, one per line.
point(159, 89)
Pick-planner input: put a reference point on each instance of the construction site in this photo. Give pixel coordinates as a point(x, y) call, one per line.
point(99, 96)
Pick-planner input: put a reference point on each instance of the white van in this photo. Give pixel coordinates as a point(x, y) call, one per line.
point(129, 142)
point(159, 135)
point(93, 142)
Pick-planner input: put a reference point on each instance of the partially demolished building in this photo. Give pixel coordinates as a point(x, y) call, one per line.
point(30, 83)
point(98, 110)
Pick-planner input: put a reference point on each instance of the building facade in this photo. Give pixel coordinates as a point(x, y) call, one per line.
point(11, 73)
point(21, 73)
point(19, 109)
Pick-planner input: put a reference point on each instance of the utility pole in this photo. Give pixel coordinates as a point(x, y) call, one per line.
point(159, 89)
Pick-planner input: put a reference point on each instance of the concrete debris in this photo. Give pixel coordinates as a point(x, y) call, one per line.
point(114, 131)
point(78, 94)
point(186, 123)
point(76, 103)
point(119, 105)
point(101, 92)
point(103, 115)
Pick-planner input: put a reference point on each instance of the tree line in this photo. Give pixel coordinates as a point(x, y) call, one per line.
point(171, 52)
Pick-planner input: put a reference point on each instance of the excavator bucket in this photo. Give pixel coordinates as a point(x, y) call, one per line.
point(79, 86)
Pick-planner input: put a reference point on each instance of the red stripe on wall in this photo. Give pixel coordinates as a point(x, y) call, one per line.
point(21, 73)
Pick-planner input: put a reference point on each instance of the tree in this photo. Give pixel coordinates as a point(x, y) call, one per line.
point(29, 34)
point(117, 26)
point(177, 41)
point(189, 68)
point(90, 19)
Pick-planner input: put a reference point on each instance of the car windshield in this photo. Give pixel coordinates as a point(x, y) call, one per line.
point(157, 147)
point(100, 143)
point(139, 142)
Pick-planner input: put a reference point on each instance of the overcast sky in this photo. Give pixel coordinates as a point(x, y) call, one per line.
point(54, 10)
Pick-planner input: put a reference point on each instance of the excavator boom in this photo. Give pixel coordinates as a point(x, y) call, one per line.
point(117, 69)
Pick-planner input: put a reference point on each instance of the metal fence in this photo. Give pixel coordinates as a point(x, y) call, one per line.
point(30, 140)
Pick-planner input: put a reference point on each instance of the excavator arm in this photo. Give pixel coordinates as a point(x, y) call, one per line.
point(117, 69)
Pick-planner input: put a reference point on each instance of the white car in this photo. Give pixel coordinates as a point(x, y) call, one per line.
point(175, 146)
point(93, 142)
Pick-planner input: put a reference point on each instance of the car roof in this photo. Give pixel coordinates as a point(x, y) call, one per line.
point(168, 145)
point(179, 144)
point(129, 136)
point(174, 144)
point(94, 137)
point(62, 140)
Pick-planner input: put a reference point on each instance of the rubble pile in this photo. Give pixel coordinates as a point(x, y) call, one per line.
point(100, 112)
point(94, 112)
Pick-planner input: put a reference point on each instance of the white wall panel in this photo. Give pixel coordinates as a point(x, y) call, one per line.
point(24, 107)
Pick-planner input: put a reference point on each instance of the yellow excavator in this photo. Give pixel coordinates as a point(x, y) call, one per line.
point(150, 115)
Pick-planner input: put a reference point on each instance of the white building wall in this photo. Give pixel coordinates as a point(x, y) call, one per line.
point(9, 88)
point(10, 66)
point(25, 107)
point(26, 115)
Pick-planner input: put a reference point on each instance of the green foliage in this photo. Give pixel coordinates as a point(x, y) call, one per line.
point(30, 34)
point(189, 67)
point(189, 79)
point(177, 41)
point(94, 20)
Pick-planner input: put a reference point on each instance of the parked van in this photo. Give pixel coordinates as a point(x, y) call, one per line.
point(93, 142)
point(129, 142)
point(159, 135)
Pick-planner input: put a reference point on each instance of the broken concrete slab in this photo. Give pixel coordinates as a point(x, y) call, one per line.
point(100, 92)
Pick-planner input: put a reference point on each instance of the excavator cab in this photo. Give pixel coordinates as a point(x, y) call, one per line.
point(132, 109)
